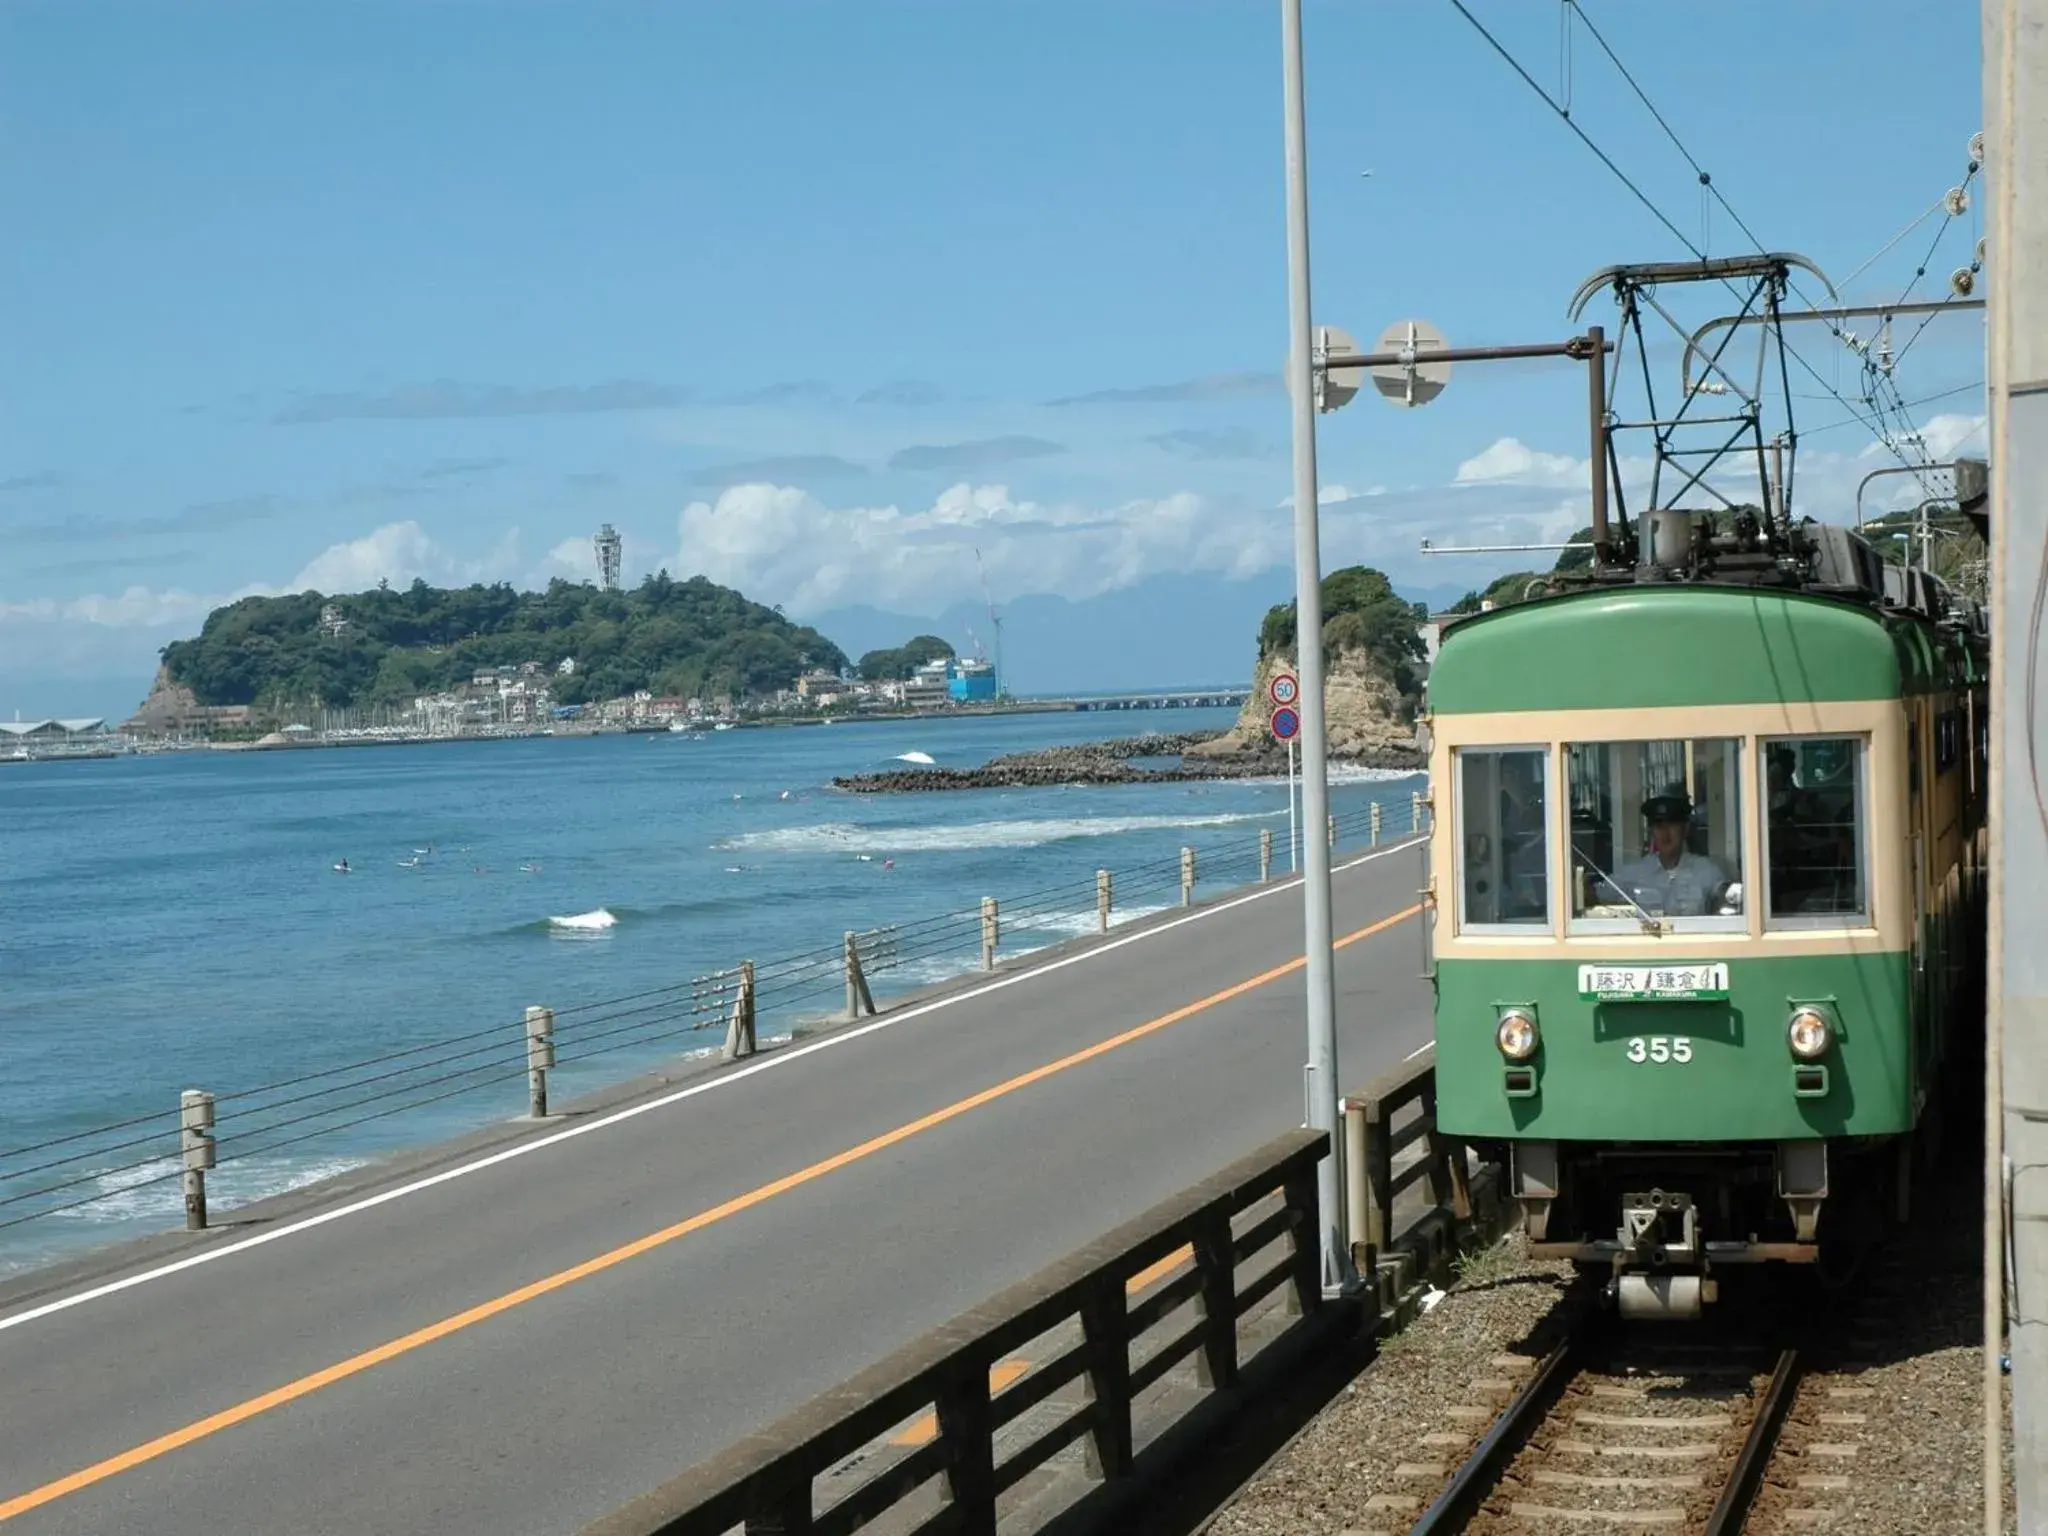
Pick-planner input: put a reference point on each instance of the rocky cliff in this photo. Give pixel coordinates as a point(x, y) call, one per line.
point(1362, 711)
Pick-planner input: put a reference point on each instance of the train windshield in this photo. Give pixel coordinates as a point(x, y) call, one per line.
point(1656, 833)
point(1504, 847)
point(1813, 830)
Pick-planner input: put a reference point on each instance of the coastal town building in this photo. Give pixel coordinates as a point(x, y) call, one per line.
point(972, 682)
point(930, 686)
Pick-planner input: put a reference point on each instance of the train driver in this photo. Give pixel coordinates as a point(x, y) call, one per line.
point(1671, 879)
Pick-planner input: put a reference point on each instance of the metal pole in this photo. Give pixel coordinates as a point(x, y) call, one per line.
point(1293, 840)
point(1596, 411)
point(1308, 630)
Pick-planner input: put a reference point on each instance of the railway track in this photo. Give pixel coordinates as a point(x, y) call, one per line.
point(1642, 1429)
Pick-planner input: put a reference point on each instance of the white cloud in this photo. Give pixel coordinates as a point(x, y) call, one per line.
point(781, 544)
point(572, 559)
point(398, 553)
point(1509, 461)
point(1948, 434)
point(136, 608)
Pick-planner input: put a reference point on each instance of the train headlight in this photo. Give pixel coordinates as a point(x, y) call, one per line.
point(1808, 1033)
point(1516, 1034)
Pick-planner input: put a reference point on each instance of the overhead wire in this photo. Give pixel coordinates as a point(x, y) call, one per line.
point(1875, 425)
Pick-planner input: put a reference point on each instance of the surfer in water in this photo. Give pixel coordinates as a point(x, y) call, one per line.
point(341, 868)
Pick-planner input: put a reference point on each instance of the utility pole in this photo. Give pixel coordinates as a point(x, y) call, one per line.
point(2015, 157)
point(1322, 1086)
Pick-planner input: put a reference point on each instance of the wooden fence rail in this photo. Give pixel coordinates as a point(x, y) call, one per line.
point(767, 1482)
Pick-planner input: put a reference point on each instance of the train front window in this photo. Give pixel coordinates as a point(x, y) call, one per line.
point(1814, 839)
point(1504, 844)
point(1656, 833)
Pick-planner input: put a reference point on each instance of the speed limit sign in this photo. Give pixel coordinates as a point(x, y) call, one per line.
point(1283, 689)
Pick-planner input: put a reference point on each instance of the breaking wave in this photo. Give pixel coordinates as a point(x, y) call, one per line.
point(153, 1192)
point(922, 759)
point(844, 837)
point(584, 922)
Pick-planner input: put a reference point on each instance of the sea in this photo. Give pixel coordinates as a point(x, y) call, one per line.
point(177, 921)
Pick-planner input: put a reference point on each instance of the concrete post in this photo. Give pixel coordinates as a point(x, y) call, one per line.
point(2015, 1194)
point(1357, 1189)
point(991, 932)
point(858, 997)
point(739, 1034)
point(1375, 823)
point(1187, 877)
point(1265, 854)
point(1333, 830)
point(1415, 811)
point(540, 1055)
point(195, 1141)
point(1105, 893)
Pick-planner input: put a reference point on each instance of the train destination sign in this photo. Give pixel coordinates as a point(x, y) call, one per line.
point(1652, 983)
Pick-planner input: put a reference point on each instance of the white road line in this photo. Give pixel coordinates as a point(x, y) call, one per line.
point(724, 1080)
point(1418, 1050)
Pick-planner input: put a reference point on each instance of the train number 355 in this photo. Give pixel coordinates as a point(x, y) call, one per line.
point(1660, 1048)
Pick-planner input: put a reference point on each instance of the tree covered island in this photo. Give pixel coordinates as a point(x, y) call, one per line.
point(384, 649)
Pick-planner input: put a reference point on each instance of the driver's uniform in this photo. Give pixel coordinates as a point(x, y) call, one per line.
point(1683, 890)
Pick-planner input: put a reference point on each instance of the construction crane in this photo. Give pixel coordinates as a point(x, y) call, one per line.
point(995, 622)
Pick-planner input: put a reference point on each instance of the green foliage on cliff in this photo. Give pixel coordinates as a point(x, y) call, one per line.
point(691, 638)
point(1361, 612)
point(898, 662)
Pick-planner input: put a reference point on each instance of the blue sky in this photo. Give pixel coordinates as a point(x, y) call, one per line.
point(818, 300)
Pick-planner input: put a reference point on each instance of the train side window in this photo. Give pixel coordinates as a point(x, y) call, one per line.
point(1656, 833)
point(1815, 836)
point(1503, 838)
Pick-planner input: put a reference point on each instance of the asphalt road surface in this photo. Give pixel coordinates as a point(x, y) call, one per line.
point(522, 1345)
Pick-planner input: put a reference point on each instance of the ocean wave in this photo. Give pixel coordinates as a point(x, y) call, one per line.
point(153, 1192)
point(922, 759)
point(1073, 925)
point(596, 921)
point(845, 837)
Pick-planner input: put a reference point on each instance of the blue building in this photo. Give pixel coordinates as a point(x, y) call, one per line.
point(972, 682)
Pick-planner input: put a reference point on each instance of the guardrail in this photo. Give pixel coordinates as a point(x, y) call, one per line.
point(81, 1168)
point(769, 1481)
point(1392, 1115)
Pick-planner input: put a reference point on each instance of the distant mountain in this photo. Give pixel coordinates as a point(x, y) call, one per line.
point(1163, 631)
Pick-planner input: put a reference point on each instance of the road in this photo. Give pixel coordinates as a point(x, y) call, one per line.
point(528, 1342)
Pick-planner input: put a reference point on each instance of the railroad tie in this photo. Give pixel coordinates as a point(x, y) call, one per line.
point(1645, 1421)
point(1680, 1480)
point(1616, 1517)
point(1696, 1452)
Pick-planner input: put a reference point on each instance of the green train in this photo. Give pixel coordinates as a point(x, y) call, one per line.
point(1707, 881)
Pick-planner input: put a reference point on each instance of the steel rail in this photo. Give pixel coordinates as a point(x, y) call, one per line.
point(1746, 1477)
point(1475, 1478)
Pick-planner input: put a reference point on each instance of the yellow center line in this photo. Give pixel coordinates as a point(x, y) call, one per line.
point(355, 1365)
point(1160, 1270)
